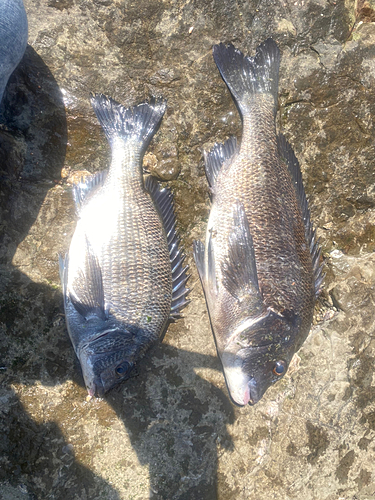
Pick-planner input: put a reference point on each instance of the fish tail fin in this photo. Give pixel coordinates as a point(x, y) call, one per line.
point(137, 122)
point(246, 76)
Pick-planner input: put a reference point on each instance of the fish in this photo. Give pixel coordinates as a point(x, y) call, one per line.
point(13, 38)
point(123, 278)
point(260, 264)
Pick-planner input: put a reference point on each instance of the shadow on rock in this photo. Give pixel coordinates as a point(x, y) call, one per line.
point(176, 422)
point(34, 457)
point(33, 138)
point(37, 459)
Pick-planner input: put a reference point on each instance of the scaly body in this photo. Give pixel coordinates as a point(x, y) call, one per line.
point(257, 269)
point(123, 277)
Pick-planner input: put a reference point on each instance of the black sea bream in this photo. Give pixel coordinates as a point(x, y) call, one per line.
point(123, 277)
point(260, 264)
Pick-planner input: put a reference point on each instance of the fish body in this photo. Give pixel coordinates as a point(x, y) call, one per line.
point(13, 38)
point(259, 266)
point(123, 277)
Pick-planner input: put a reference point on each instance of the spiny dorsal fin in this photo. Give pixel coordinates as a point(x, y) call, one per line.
point(287, 154)
point(163, 199)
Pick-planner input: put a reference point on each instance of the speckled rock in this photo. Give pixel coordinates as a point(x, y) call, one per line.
point(171, 432)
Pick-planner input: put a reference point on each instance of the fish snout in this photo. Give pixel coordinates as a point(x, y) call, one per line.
point(238, 381)
point(253, 392)
point(98, 388)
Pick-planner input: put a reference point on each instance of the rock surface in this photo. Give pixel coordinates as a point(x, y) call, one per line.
point(171, 432)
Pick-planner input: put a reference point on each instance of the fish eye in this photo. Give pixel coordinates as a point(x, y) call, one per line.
point(279, 368)
point(123, 368)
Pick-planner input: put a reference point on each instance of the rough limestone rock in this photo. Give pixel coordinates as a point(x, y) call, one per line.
point(171, 432)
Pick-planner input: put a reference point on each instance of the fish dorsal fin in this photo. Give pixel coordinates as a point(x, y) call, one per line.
point(163, 200)
point(239, 268)
point(86, 292)
point(217, 156)
point(287, 154)
point(86, 187)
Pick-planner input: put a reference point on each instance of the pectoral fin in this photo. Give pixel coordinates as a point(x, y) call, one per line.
point(239, 268)
point(211, 271)
point(63, 268)
point(198, 251)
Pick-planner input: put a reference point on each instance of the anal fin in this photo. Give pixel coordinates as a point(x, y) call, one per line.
point(219, 154)
point(86, 187)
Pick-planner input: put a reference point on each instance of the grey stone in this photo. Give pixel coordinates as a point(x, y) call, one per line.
point(171, 432)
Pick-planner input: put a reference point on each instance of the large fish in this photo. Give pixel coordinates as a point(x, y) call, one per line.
point(123, 278)
point(13, 38)
point(259, 267)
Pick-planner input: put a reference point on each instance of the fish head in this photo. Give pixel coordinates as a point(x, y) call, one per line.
point(108, 360)
point(258, 355)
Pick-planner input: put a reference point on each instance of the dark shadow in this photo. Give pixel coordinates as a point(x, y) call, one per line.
point(37, 454)
point(175, 419)
point(33, 139)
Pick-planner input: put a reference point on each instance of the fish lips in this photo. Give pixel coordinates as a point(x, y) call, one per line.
point(242, 387)
point(237, 380)
point(246, 381)
point(256, 348)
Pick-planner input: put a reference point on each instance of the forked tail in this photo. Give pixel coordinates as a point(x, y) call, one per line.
point(246, 76)
point(137, 122)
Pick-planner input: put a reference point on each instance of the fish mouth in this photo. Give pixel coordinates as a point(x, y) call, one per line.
point(253, 392)
point(238, 382)
point(243, 387)
point(99, 357)
point(245, 394)
point(94, 384)
point(97, 389)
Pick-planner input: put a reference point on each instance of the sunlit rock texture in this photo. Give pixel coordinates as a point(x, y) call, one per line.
point(171, 432)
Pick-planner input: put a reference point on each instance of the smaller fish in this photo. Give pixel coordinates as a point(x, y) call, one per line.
point(13, 38)
point(123, 278)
